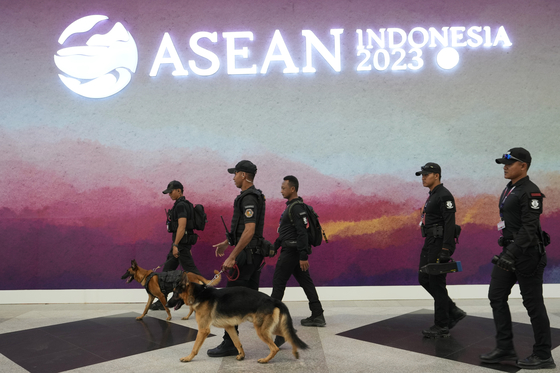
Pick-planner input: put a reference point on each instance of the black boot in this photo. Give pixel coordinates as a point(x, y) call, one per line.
point(436, 331)
point(455, 316)
point(497, 355)
point(535, 362)
point(279, 341)
point(226, 348)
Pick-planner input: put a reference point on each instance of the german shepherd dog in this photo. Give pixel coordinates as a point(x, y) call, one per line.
point(140, 274)
point(228, 307)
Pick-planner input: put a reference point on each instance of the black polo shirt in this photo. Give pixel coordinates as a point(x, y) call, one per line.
point(521, 205)
point(440, 210)
point(294, 235)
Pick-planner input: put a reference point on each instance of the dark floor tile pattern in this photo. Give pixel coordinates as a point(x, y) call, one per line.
point(470, 338)
point(77, 344)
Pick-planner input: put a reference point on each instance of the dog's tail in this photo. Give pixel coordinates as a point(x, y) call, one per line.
point(287, 329)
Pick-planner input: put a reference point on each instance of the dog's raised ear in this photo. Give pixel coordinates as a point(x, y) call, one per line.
point(133, 264)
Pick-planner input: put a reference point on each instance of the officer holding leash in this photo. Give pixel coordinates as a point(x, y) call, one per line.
point(246, 236)
point(438, 228)
point(522, 260)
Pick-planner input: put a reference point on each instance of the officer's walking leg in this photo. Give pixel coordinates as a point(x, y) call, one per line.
point(306, 282)
point(500, 288)
point(283, 271)
point(171, 263)
point(531, 291)
point(187, 261)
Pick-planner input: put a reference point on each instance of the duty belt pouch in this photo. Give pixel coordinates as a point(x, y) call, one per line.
point(267, 249)
point(457, 232)
point(437, 231)
point(192, 238)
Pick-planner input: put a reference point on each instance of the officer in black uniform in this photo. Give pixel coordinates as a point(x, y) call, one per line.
point(522, 260)
point(293, 260)
point(247, 227)
point(438, 228)
point(177, 218)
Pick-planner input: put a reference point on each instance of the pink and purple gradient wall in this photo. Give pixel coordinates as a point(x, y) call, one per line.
point(81, 179)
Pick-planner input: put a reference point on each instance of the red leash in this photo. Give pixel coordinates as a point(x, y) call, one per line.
point(235, 269)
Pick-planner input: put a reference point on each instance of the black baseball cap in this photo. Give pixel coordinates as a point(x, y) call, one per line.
point(515, 155)
point(429, 168)
point(244, 166)
point(172, 186)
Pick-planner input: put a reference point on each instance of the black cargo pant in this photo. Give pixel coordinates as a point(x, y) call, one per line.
point(529, 274)
point(436, 285)
point(288, 265)
point(185, 259)
point(249, 277)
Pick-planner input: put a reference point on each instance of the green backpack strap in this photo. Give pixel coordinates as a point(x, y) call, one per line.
point(290, 210)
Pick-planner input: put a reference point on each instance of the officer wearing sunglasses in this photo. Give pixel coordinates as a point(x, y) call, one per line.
point(522, 260)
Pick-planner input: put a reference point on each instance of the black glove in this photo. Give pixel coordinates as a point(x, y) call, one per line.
point(444, 256)
point(506, 261)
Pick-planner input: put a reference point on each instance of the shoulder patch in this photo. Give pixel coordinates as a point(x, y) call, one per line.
point(536, 195)
point(535, 204)
point(249, 213)
point(449, 205)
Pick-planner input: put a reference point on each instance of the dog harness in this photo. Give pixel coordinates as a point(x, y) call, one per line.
point(167, 281)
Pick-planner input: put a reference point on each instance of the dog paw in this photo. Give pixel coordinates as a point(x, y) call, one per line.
point(240, 357)
point(186, 359)
point(263, 361)
point(185, 318)
point(169, 318)
point(139, 318)
point(296, 354)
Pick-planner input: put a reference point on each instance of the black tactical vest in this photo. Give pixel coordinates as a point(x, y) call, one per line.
point(238, 223)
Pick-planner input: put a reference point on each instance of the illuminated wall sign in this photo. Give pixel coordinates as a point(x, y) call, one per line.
point(382, 49)
point(101, 68)
point(105, 65)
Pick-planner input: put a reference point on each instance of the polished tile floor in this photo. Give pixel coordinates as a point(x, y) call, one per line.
point(360, 336)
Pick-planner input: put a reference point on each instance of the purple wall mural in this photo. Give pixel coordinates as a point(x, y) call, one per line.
point(186, 89)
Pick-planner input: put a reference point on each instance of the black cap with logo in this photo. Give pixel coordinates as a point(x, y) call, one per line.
point(429, 168)
point(515, 155)
point(244, 166)
point(172, 186)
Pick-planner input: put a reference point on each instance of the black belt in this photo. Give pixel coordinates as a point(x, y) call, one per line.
point(432, 231)
point(289, 243)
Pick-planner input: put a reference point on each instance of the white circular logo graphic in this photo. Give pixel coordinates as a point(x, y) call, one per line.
point(102, 67)
point(447, 58)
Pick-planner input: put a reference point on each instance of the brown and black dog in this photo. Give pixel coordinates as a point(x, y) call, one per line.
point(228, 307)
point(153, 288)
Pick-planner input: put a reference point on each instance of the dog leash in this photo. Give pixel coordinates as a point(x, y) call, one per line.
point(230, 278)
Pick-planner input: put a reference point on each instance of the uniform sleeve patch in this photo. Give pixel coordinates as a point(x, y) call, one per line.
point(535, 204)
point(536, 195)
point(449, 205)
point(249, 213)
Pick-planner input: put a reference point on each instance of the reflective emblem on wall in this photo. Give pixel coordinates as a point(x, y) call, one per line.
point(103, 66)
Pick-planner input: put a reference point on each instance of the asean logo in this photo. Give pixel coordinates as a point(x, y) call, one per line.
point(102, 67)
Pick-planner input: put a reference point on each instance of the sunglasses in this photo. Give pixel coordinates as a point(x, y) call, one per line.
point(509, 156)
point(427, 168)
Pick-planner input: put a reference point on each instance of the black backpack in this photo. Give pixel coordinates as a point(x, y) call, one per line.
point(315, 233)
point(199, 219)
